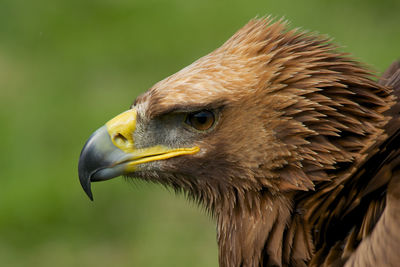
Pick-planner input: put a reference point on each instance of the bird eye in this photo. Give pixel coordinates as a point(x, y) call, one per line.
point(201, 120)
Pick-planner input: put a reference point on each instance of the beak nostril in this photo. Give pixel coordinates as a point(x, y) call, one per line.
point(120, 139)
point(121, 129)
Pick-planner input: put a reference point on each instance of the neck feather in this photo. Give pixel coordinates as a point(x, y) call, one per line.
point(266, 234)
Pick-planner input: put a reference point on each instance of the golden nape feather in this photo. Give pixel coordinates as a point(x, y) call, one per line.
point(290, 144)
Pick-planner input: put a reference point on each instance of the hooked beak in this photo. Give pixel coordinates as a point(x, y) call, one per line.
point(110, 152)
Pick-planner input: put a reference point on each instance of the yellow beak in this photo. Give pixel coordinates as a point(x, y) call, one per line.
point(111, 152)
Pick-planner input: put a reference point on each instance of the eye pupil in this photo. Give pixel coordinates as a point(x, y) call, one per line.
point(201, 120)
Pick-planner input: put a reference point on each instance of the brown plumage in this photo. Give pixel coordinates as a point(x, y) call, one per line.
point(300, 165)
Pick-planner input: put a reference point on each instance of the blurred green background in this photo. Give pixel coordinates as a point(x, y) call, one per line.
point(68, 66)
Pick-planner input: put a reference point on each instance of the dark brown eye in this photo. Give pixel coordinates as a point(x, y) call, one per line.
point(201, 120)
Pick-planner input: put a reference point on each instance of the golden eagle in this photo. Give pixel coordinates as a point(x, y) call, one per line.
point(290, 144)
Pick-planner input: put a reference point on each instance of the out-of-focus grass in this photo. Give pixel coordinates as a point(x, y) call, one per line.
point(68, 66)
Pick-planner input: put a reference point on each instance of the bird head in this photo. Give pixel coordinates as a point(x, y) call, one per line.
point(252, 116)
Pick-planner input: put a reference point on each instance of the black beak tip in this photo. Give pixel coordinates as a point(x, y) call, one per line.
point(85, 166)
point(84, 178)
point(88, 192)
point(86, 185)
point(94, 160)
